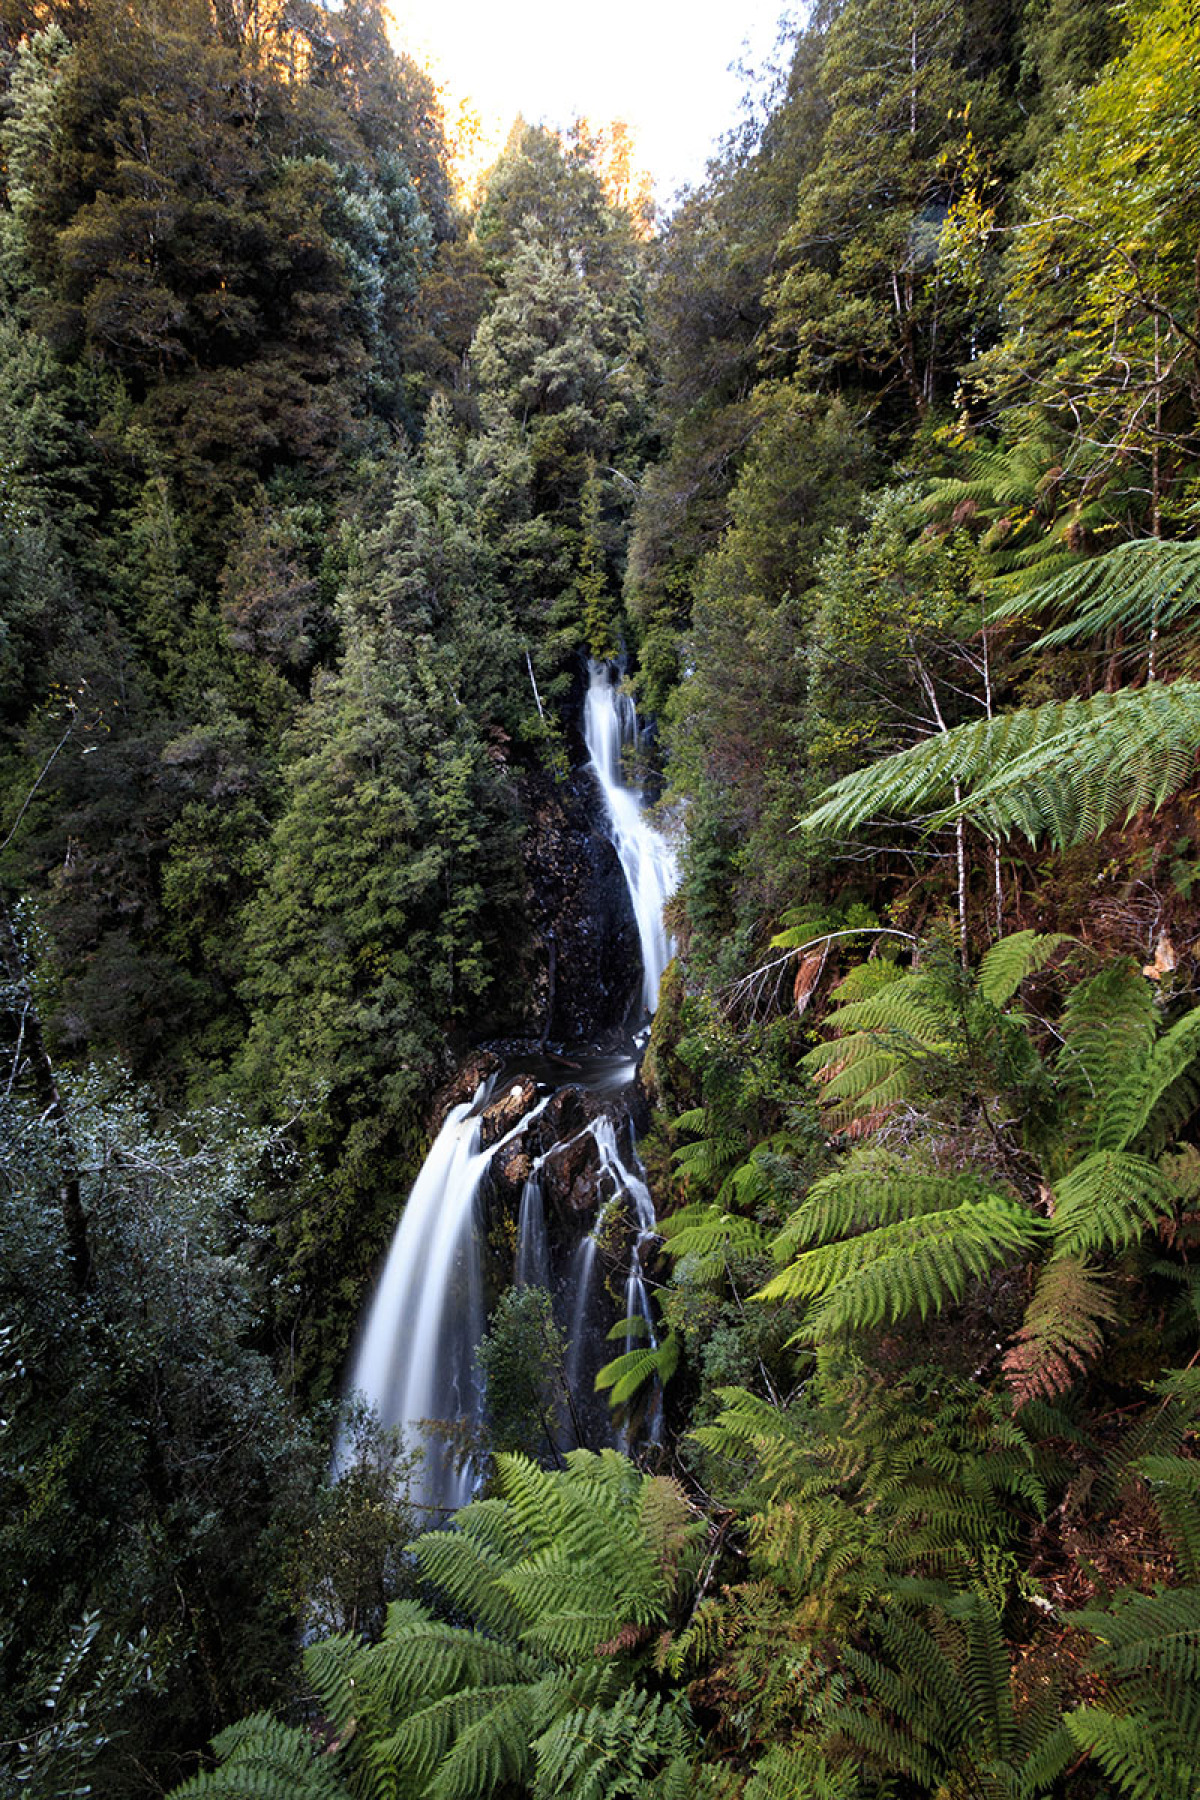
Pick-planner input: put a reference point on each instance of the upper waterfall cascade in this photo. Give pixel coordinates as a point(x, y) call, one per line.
point(648, 860)
point(416, 1354)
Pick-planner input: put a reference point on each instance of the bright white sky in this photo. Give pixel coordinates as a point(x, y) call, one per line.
point(660, 65)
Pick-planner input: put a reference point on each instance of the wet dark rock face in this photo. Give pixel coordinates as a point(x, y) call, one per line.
point(461, 1087)
point(586, 955)
point(507, 1109)
point(570, 1169)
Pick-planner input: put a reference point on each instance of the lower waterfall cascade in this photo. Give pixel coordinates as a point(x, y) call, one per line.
point(415, 1358)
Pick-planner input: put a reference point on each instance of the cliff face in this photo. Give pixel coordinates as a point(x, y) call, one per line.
point(583, 952)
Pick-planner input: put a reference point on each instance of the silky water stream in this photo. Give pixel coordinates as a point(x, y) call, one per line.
point(415, 1359)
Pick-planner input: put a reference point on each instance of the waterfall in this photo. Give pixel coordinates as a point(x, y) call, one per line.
point(416, 1358)
point(630, 1185)
point(648, 860)
point(533, 1251)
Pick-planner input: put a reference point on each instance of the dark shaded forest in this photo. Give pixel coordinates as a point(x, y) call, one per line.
point(876, 468)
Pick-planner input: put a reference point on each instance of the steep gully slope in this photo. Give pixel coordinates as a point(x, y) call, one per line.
point(543, 1154)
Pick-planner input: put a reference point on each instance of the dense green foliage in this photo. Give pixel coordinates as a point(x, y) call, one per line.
point(880, 465)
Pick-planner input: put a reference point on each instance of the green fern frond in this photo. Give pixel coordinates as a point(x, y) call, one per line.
point(1136, 1758)
point(704, 1239)
point(865, 1084)
point(594, 1752)
point(1148, 1634)
point(1063, 771)
point(635, 1326)
point(1106, 1201)
point(707, 1159)
point(260, 1759)
point(902, 1006)
point(913, 1266)
point(873, 1187)
point(754, 1429)
point(942, 1708)
point(1142, 587)
point(1128, 1083)
point(1175, 1488)
point(801, 1772)
point(466, 1569)
point(463, 1745)
point(1108, 1026)
point(1172, 1089)
point(626, 1373)
point(1061, 1333)
point(868, 978)
point(1008, 963)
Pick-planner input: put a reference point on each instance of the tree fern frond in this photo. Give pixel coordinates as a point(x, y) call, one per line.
point(594, 1752)
point(462, 1744)
point(465, 1570)
point(1172, 1089)
point(1107, 1201)
point(703, 1238)
point(913, 1266)
point(873, 1187)
point(1175, 1488)
point(1109, 1026)
point(1061, 1333)
point(866, 1083)
point(260, 1759)
point(753, 1428)
point(903, 1006)
point(1142, 587)
point(707, 1159)
point(1064, 770)
point(868, 978)
point(491, 1749)
point(626, 1373)
point(801, 1772)
point(1008, 963)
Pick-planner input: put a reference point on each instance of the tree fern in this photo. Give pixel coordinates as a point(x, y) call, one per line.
point(913, 1266)
point(942, 1712)
point(1174, 1483)
point(634, 1368)
point(591, 1753)
point(1146, 1736)
point(1145, 1733)
point(1062, 771)
point(801, 1772)
point(1013, 959)
point(704, 1239)
point(1105, 1201)
point(1137, 1752)
point(564, 1579)
point(754, 1430)
point(1146, 588)
point(1062, 1331)
point(887, 1039)
point(260, 1759)
point(874, 1187)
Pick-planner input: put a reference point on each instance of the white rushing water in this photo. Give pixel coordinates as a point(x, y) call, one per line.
point(629, 1181)
point(416, 1357)
point(533, 1249)
point(648, 860)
